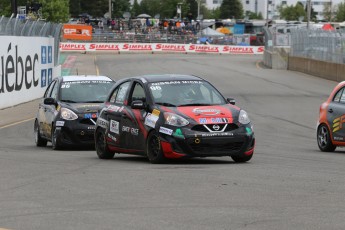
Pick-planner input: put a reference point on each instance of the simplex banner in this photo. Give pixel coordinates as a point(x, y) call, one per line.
point(27, 67)
point(161, 47)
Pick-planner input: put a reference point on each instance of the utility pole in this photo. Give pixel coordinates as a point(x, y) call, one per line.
point(308, 13)
point(14, 7)
point(198, 1)
point(110, 9)
point(267, 7)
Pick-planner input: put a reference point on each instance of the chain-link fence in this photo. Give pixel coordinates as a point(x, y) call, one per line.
point(19, 27)
point(319, 45)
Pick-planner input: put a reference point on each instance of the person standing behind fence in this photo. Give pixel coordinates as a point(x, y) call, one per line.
point(112, 24)
point(101, 25)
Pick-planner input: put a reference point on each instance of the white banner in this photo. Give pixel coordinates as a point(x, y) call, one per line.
point(27, 67)
point(161, 47)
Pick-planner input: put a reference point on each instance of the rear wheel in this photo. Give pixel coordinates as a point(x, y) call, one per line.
point(154, 148)
point(241, 159)
point(324, 139)
point(38, 139)
point(101, 145)
point(56, 143)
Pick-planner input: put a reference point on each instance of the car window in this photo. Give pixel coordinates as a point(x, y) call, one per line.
point(49, 89)
point(338, 95)
point(90, 91)
point(119, 94)
point(179, 93)
point(55, 91)
point(342, 98)
point(138, 93)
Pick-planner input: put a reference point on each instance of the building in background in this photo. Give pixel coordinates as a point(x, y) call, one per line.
point(268, 8)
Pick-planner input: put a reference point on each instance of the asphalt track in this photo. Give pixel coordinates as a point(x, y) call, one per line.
point(288, 184)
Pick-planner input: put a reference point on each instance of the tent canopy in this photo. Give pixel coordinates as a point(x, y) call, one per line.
point(211, 32)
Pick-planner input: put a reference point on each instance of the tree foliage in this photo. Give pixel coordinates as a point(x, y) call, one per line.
point(231, 9)
point(340, 13)
point(292, 13)
point(50, 12)
point(253, 15)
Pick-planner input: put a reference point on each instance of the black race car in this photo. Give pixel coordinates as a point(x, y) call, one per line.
point(172, 116)
point(68, 111)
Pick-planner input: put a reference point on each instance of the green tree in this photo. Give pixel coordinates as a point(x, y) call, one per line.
point(313, 14)
point(253, 15)
point(5, 6)
point(75, 7)
point(135, 10)
point(120, 7)
point(55, 10)
point(340, 13)
point(328, 12)
point(231, 9)
point(292, 13)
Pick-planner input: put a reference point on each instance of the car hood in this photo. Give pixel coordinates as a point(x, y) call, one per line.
point(209, 114)
point(85, 107)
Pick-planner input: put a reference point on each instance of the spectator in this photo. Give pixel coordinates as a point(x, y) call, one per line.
point(100, 25)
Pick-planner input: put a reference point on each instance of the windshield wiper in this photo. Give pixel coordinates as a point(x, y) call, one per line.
point(92, 101)
point(195, 104)
point(165, 104)
point(69, 101)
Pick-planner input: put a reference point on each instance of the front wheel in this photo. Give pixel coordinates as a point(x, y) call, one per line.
point(324, 139)
point(101, 145)
point(38, 139)
point(154, 148)
point(56, 143)
point(242, 159)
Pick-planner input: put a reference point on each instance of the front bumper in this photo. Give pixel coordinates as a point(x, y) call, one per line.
point(74, 133)
point(209, 145)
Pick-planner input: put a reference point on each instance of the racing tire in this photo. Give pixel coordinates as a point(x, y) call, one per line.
point(153, 148)
point(40, 142)
point(242, 158)
point(101, 146)
point(56, 143)
point(324, 139)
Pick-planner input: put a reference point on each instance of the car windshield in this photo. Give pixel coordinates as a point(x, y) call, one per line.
point(85, 91)
point(185, 93)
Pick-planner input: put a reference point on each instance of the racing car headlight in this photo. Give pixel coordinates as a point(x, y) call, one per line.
point(243, 117)
point(175, 120)
point(68, 114)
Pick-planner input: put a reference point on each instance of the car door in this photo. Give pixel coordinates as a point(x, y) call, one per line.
point(117, 102)
point(336, 116)
point(132, 120)
point(51, 111)
point(42, 108)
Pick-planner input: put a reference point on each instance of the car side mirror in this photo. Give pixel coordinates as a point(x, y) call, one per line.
point(138, 104)
point(231, 101)
point(49, 101)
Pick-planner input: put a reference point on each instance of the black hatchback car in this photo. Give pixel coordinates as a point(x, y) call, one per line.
point(68, 111)
point(172, 116)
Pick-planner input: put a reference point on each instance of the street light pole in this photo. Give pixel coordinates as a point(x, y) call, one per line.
point(308, 13)
point(198, 1)
point(110, 9)
point(14, 7)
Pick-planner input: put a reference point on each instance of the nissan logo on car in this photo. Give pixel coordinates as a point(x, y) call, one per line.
point(216, 127)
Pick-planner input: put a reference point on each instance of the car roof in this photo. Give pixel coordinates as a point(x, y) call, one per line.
point(85, 78)
point(169, 77)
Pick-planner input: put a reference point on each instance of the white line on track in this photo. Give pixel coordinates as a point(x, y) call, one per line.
point(13, 124)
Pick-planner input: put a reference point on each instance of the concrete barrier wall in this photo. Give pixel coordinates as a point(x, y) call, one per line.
point(326, 70)
point(277, 58)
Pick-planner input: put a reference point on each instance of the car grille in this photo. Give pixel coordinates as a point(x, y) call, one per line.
point(208, 127)
point(215, 147)
point(88, 121)
point(84, 135)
